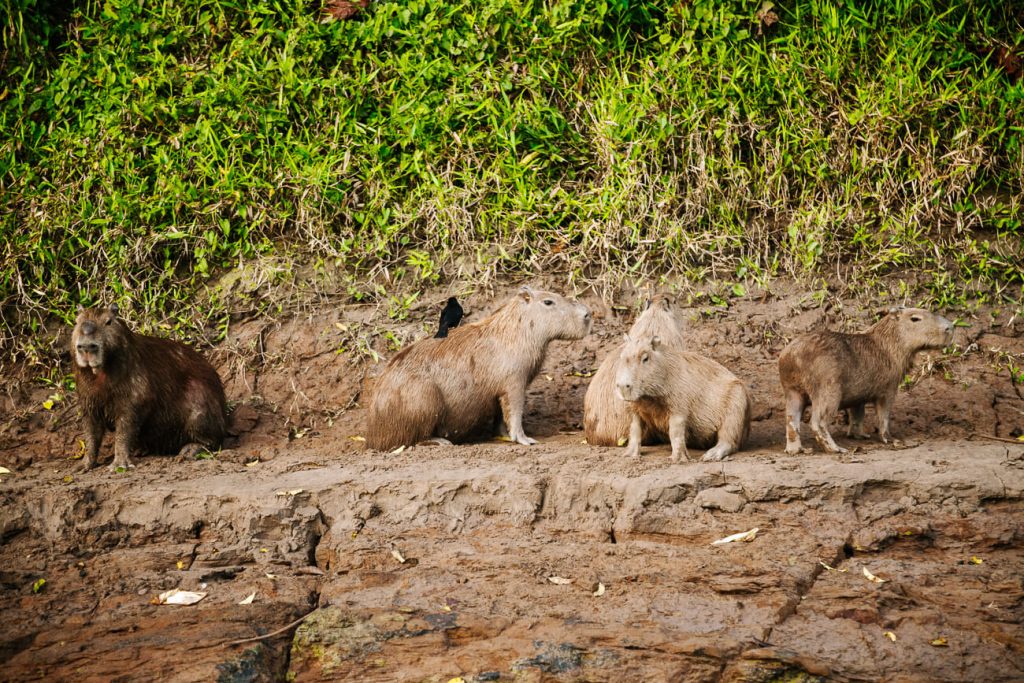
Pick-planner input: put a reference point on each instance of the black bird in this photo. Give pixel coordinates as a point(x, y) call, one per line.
point(451, 316)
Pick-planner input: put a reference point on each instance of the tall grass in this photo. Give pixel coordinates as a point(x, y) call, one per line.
point(146, 147)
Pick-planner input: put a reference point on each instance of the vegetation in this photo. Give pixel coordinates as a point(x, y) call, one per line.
point(147, 148)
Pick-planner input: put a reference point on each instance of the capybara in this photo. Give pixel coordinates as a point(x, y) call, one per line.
point(606, 417)
point(158, 395)
point(691, 398)
point(833, 370)
point(458, 387)
point(451, 316)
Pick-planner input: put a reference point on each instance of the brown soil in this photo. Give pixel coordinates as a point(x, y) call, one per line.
point(295, 511)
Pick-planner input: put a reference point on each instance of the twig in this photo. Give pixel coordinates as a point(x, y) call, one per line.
point(998, 438)
point(272, 633)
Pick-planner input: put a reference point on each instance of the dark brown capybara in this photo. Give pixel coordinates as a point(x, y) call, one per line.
point(834, 370)
point(457, 387)
point(157, 395)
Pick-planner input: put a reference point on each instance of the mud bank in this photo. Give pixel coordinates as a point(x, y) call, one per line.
point(483, 529)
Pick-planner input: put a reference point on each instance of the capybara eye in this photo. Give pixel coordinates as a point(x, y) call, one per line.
point(644, 358)
point(549, 302)
point(915, 318)
point(110, 320)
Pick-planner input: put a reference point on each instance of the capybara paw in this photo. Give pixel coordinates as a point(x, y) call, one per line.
point(836, 449)
point(793, 449)
point(122, 466)
point(526, 440)
point(191, 450)
point(714, 455)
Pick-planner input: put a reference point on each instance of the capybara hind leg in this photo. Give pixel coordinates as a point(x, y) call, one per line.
point(794, 414)
point(855, 429)
point(190, 450)
point(822, 411)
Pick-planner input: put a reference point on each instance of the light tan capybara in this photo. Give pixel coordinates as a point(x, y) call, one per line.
point(691, 398)
point(158, 395)
point(833, 370)
point(606, 416)
point(457, 387)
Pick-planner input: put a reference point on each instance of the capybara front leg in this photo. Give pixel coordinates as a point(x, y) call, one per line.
point(94, 430)
point(794, 414)
point(883, 407)
point(512, 405)
point(636, 436)
point(677, 437)
point(126, 432)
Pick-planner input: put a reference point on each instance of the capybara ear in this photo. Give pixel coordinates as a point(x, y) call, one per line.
point(666, 303)
point(655, 342)
point(113, 310)
point(81, 308)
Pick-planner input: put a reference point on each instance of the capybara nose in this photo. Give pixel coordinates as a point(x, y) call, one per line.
point(88, 348)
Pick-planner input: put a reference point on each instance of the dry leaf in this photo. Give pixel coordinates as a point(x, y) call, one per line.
point(890, 635)
point(599, 591)
point(558, 580)
point(248, 600)
point(832, 569)
point(398, 450)
point(457, 679)
point(503, 437)
point(181, 564)
point(292, 492)
point(745, 537)
point(939, 642)
point(975, 560)
point(397, 554)
point(179, 597)
point(4, 470)
point(623, 441)
point(271, 576)
point(871, 577)
point(356, 437)
point(254, 462)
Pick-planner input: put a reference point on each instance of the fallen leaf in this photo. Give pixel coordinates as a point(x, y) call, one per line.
point(248, 600)
point(549, 378)
point(179, 597)
point(68, 479)
point(38, 585)
point(890, 635)
point(397, 554)
point(271, 576)
point(181, 564)
point(503, 437)
point(832, 569)
point(939, 642)
point(599, 591)
point(398, 450)
point(4, 470)
point(623, 441)
point(745, 537)
point(457, 679)
point(254, 462)
point(558, 580)
point(292, 492)
point(871, 577)
point(356, 437)
point(48, 404)
point(264, 550)
point(975, 560)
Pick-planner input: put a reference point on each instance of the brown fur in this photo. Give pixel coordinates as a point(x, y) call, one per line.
point(606, 417)
point(458, 387)
point(833, 370)
point(158, 395)
point(691, 398)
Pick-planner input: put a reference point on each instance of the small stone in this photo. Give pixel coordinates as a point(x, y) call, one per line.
point(720, 499)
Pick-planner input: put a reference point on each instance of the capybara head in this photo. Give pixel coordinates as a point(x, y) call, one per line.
point(916, 328)
point(98, 335)
point(552, 316)
point(641, 369)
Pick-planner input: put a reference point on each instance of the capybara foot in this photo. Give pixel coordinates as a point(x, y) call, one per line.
point(719, 452)
point(191, 450)
point(833, 448)
point(526, 441)
point(793, 449)
point(632, 452)
point(121, 466)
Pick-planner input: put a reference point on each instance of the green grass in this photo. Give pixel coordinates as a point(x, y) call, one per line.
point(147, 148)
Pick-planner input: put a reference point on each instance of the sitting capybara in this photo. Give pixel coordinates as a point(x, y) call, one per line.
point(458, 386)
point(691, 398)
point(606, 417)
point(833, 370)
point(158, 395)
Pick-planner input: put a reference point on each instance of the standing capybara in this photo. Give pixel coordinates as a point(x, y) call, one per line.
point(158, 395)
point(457, 387)
point(606, 417)
point(833, 370)
point(691, 398)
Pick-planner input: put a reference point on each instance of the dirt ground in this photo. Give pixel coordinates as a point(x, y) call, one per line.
point(501, 562)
